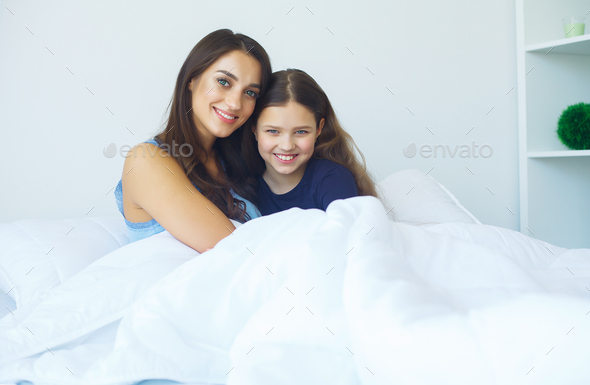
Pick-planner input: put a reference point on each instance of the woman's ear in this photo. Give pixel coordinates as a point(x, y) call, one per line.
point(190, 84)
point(320, 126)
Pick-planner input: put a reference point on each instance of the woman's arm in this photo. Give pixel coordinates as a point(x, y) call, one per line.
point(157, 184)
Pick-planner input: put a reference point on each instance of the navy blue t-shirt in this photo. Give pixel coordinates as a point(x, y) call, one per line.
point(323, 182)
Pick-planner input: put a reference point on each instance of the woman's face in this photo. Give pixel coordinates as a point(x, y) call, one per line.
point(224, 96)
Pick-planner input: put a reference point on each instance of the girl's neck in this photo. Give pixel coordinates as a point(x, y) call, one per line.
point(281, 184)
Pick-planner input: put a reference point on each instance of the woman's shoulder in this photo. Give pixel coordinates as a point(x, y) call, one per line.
point(147, 152)
point(143, 167)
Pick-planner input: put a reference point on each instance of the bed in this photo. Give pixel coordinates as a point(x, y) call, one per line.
point(414, 290)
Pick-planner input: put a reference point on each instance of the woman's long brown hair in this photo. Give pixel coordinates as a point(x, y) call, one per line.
point(334, 143)
point(180, 127)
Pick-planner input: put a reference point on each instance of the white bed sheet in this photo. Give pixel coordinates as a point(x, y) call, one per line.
point(341, 297)
point(37, 255)
point(7, 305)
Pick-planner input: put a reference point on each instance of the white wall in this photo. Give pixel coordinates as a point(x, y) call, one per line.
point(449, 63)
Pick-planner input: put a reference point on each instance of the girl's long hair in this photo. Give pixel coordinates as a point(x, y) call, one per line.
point(180, 127)
point(334, 143)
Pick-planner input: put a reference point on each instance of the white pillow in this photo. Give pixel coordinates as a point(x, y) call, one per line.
point(37, 255)
point(419, 199)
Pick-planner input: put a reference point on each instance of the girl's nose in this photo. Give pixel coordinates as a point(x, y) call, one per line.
point(286, 143)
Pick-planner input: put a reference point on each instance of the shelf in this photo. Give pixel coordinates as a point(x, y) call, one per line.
point(558, 154)
point(579, 45)
point(553, 180)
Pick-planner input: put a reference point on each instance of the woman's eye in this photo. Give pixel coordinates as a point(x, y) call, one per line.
point(252, 94)
point(223, 82)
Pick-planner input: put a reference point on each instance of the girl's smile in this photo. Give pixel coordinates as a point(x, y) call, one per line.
point(284, 158)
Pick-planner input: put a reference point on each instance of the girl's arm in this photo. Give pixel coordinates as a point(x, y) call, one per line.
point(158, 185)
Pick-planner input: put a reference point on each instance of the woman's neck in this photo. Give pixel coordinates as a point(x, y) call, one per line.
point(209, 154)
point(209, 157)
point(213, 166)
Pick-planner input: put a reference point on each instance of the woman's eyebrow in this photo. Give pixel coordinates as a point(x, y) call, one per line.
point(236, 78)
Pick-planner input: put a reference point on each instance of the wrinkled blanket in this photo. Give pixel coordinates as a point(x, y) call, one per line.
point(344, 296)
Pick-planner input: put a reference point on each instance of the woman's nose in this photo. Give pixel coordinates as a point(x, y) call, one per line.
point(233, 100)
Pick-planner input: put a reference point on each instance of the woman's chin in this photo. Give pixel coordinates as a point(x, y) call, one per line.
point(224, 131)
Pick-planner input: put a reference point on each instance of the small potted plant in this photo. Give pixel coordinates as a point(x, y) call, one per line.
point(573, 127)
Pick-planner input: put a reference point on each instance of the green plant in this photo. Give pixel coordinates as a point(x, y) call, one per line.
point(573, 127)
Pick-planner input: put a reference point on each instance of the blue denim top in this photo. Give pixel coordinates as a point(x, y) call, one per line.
point(141, 230)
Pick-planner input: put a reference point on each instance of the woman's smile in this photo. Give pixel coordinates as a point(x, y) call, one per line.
point(225, 116)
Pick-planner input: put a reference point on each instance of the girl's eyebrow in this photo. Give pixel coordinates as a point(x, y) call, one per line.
point(280, 128)
point(236, 78)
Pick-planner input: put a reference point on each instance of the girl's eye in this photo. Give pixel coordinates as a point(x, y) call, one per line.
point(252, 94)
point(272, 131)
point(223, 82)
point(301, 132)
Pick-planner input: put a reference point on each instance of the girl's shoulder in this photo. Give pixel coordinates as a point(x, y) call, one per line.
point(324, 174)
point(321, 167)
point(331, 181)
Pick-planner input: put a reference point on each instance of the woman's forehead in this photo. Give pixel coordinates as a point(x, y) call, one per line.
point(246, 68)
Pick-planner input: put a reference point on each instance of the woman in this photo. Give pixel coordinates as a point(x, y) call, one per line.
point(191, 179)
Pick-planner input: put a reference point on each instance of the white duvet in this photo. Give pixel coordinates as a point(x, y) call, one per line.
point(310, 297)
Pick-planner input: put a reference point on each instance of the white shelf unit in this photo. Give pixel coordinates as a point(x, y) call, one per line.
point(553, 72)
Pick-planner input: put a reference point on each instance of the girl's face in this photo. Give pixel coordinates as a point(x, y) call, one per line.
point(286, 138)
point(224, 95)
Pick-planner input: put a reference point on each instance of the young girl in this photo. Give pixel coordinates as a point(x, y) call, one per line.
point(190, 179)
point(306, 159)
